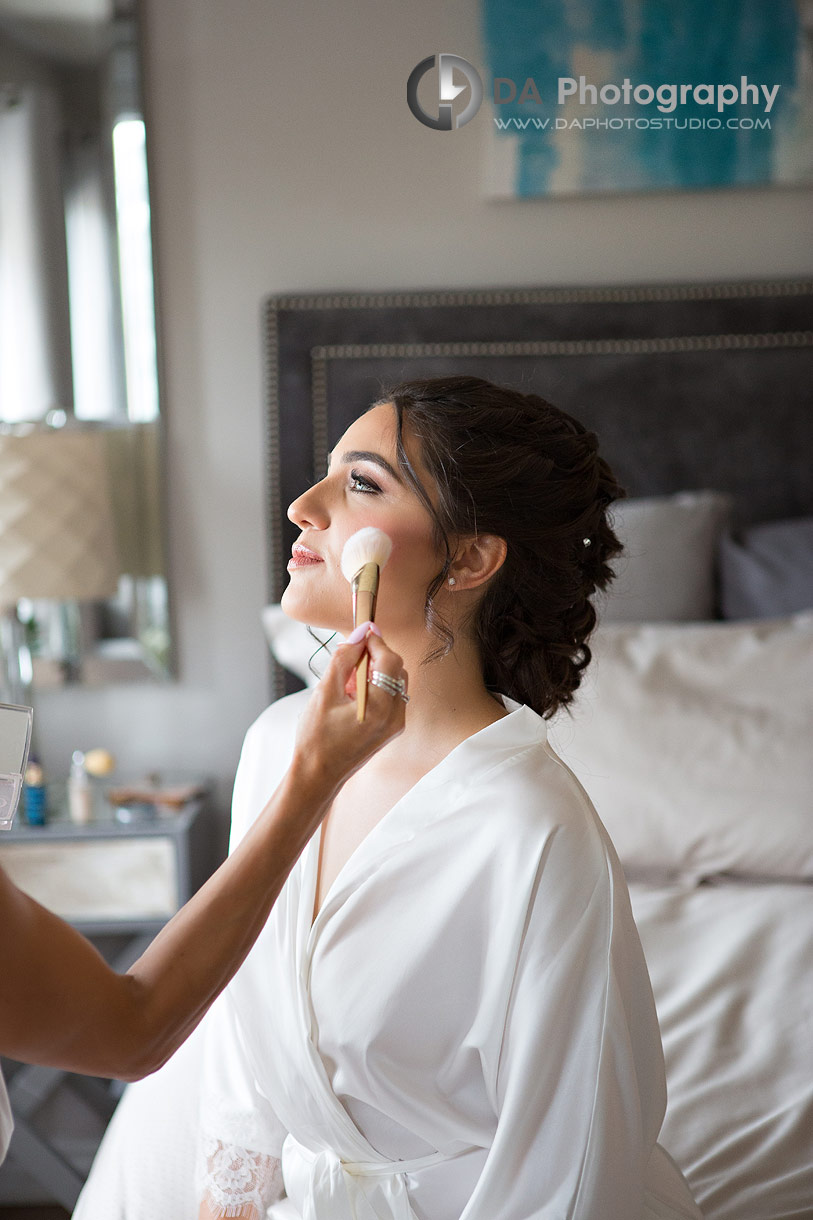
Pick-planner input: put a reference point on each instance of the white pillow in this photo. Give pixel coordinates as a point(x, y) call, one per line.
point(694, 742)
point(667, 569)
point(293, 647)
point(768, 570)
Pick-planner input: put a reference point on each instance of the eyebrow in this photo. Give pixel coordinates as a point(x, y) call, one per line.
point(367, 455)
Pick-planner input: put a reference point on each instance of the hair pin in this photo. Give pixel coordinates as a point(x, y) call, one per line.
point(587, 541)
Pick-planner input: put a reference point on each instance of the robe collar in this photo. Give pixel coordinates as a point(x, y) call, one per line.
point(468, 763)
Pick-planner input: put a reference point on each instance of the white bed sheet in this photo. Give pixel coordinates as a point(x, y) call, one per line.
point(732, 971)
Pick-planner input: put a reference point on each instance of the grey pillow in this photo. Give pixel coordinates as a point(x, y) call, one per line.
point(668, 569)
point(768, 571)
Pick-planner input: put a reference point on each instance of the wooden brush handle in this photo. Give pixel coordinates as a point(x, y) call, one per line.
point(361, 688)
point(364, 610)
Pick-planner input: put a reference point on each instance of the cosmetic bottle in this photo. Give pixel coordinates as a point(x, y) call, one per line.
point(34, 794)
point(80, 793)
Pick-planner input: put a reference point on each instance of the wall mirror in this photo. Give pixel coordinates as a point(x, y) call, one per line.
point(78, 348)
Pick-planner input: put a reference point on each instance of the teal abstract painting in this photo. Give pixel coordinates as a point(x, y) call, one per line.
point(591, 96)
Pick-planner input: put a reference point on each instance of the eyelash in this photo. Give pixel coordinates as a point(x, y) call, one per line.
point(370, 488)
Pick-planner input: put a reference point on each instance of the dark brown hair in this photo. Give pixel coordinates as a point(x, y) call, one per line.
point(513, 465)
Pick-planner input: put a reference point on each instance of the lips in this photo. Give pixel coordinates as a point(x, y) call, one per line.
point(303, 557)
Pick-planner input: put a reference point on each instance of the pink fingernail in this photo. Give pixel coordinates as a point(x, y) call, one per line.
point(374, 629)
point(356, 636)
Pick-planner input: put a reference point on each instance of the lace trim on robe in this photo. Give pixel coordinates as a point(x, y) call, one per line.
point(237, 1178)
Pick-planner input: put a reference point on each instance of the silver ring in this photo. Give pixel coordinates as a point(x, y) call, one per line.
point(393, 686)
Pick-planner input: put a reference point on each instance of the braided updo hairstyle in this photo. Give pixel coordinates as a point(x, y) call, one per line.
point(512, 465)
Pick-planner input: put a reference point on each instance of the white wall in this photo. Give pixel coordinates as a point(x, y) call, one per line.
point(284, 157)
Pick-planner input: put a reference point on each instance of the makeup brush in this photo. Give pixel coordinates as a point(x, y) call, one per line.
point(363, 556)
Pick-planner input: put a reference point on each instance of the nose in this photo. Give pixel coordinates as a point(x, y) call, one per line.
point(309, 509)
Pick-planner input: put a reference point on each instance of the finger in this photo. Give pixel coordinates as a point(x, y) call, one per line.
point(359, 633)
point(342, 665)
point(383, 658)
point(389, 705)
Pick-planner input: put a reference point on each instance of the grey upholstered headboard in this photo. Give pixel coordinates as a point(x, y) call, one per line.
point(687, 385)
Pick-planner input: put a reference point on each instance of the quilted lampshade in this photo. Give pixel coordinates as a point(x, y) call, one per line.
point(56, 523)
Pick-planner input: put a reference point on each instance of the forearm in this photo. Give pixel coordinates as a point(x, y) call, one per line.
point(195, 955)
point(63, 1006)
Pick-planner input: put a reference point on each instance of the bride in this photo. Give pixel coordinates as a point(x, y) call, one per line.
point(447, 1015)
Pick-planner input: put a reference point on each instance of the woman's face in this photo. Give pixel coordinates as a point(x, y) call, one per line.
point(363, 487)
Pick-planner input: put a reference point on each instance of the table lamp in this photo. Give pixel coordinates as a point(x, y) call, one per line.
point(57, 537)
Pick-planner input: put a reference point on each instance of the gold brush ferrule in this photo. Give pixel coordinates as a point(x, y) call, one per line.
point(365, 593)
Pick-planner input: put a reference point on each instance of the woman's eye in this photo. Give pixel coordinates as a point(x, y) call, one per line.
point(359, 483)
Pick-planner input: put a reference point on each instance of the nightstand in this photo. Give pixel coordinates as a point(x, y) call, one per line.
point(118, 884)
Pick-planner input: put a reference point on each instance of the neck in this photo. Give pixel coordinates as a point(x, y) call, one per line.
point(448, 700)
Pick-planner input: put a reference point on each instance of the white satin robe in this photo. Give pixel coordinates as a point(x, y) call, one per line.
point(467, 1031)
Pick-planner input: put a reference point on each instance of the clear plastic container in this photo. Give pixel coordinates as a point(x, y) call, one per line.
point(15, 740)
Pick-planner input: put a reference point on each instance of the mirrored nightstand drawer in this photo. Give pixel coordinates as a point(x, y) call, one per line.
point(107, 876)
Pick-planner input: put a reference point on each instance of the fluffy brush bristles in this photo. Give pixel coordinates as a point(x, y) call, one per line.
point(368, 545)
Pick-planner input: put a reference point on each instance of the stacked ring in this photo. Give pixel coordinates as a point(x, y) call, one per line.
point(393, 686)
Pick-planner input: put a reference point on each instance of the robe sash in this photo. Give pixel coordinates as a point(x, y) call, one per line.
point(324, 1187)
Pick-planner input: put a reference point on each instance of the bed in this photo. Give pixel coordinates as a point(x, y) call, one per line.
point(692, 731)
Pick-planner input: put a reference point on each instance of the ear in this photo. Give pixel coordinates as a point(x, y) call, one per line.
point(476, 561)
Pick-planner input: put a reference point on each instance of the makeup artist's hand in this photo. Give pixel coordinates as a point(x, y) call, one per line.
point(329, 737)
